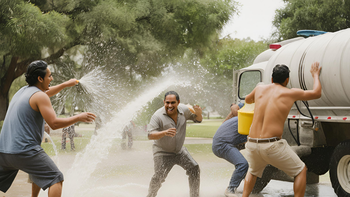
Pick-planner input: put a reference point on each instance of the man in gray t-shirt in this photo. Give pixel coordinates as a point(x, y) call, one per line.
point(168, 130)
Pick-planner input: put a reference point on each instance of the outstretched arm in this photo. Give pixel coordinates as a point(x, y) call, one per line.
point(198, 112)
point(56, 89)
point(234, 112)
point(316, 92)
point(41, 103)
point(250, 98)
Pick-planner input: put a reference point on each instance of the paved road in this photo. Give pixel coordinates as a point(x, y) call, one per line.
point(281, 188)
point(127, 174)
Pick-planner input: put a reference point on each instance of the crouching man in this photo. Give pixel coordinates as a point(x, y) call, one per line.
point(168, 130)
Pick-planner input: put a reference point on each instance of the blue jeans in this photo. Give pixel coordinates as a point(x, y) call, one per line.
point(230, 153)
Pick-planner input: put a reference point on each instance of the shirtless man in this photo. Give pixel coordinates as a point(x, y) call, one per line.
point(265, 144)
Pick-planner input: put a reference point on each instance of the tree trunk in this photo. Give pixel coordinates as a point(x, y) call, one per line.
point(16, 69)
point(13, 71)
point(4, 103)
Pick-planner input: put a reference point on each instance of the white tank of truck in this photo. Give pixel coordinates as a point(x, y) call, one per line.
point(318, 130)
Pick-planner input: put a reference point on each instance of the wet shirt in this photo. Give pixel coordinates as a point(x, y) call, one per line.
point(23, 127)
point(160, 121)
point(227, 133)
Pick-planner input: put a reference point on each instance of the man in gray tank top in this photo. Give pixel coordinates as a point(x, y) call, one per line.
point(23, 129)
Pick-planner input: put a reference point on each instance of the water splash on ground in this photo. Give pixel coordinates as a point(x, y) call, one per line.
point(85, 162)
point(54, 147)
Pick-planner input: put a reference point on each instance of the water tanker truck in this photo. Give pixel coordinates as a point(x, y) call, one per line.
point(318, 130)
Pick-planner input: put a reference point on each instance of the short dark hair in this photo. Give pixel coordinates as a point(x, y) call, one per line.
point(280, 73)
point(172, 93)
point(34, 70)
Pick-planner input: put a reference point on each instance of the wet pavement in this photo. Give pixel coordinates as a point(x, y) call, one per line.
point(126, 173)
point(285, 189)
point(277, 188)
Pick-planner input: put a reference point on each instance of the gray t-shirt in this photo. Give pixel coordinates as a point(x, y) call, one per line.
point(160, 121)
point(23, 127)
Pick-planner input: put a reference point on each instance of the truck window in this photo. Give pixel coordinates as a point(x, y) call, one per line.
point(247, 82)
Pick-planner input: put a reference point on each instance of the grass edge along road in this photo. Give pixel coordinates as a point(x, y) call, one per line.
point(206, 129)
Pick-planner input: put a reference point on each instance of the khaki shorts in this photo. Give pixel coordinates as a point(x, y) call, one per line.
point(278, 153)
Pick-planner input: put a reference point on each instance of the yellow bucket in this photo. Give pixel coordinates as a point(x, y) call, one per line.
point(245, 118)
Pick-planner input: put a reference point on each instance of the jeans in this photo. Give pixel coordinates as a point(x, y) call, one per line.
point(230, 153)
point(163, 165)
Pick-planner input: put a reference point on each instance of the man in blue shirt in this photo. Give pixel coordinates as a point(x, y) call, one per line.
point(227, 143)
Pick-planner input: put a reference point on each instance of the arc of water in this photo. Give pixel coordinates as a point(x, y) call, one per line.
point(85, 162)
point(54, 149)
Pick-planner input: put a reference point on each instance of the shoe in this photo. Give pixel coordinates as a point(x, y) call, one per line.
point(230, 193)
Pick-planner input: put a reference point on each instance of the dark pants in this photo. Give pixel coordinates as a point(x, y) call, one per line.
point(130, 139)
point(70, 131)
point(163, 165)
point(40, 167)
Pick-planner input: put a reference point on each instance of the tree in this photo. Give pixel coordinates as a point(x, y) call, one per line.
point(325, 15)
point(230, 55)
point(132, 36)
point(211, 76)
point(207, 80)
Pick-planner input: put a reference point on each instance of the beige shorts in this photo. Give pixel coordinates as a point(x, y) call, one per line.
point(278, 153)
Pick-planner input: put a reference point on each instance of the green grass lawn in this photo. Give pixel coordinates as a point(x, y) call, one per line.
point(206, 129)
point(79, 143)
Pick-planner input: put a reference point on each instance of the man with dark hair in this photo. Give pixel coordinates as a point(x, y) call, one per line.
point(172, 93)
point(168, 130)
point(23, 130)
point(227, 143)
point(265, 144)
point(280, 73)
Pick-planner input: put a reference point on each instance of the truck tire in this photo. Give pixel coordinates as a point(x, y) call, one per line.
point(340, 168)
point(261, 183)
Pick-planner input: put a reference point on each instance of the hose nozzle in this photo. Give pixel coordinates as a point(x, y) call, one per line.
point(77, 81)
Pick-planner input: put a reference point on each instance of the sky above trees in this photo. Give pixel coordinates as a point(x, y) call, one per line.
point(254, 19)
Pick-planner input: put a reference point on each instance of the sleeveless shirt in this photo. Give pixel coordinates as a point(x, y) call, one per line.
point(23, 127)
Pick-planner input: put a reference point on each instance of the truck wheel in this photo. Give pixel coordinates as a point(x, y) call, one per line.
point(261, 183)
point(340, 169)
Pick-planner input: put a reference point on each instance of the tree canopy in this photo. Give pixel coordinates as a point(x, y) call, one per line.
point(324, 15)
point(136, 37)
point(229, 55)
